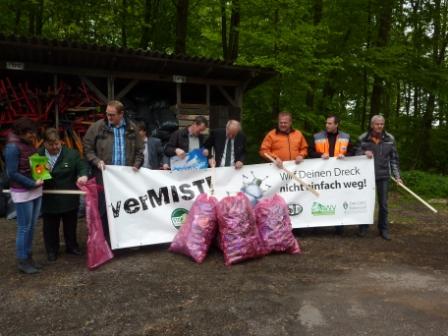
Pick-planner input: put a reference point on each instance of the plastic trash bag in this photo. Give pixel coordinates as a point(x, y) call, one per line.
point(98, 251)
point(196, 234)
point(274, 225)
point(239, 238)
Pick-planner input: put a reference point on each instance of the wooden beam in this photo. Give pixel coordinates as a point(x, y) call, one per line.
point(227, 96)
point(90, 72)
point(127, 88)
point(94, 89)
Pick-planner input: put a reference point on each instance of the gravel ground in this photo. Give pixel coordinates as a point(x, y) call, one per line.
point(339, 285)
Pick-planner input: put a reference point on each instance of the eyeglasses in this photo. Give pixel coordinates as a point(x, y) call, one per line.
point(111, 114)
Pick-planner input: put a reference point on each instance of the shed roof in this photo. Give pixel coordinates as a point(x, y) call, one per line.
point(41, 54)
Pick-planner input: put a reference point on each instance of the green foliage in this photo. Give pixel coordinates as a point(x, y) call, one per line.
point(328, 55)
point(425, 184)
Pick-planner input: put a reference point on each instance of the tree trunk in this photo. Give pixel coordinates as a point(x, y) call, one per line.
point(146, 29)
point(124, 12)
point(439, 44)
point(276, 88)
point(181, 26)
point(384, 26)
point(39, 17)
point(18, 16)
point(230, 35)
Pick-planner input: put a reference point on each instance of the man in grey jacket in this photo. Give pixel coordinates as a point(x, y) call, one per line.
point(112, 141)
point(380, 145)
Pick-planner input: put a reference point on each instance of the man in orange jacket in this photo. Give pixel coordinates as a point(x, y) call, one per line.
point(284, 143)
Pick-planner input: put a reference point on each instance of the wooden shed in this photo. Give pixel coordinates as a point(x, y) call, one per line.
point(32, 70)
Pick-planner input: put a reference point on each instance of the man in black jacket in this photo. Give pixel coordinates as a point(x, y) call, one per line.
point(187, 139)
point(229, 144)
point(380, 145)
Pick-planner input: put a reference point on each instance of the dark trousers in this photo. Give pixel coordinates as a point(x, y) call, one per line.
point(382, 190)
point(102, 207)
point(51, 230)
point(103, 214)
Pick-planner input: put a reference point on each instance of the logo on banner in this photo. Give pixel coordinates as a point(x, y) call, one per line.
point(178, 217)
point(319, 209)
point(253, 189)
point(294, 209)
point(355, 207)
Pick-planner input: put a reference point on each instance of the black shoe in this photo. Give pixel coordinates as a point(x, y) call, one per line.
point(52, 257)
point(25, 267)
point(339, 230)
point(362, 233)
point(385, 235)
point(75, 251)
point(33, 262)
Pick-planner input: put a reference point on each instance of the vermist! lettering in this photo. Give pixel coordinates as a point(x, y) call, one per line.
point(162, 196)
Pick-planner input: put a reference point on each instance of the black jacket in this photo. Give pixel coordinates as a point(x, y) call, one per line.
point(217, 140)
point(384, 153)
point(154, 150)
point(179, 139)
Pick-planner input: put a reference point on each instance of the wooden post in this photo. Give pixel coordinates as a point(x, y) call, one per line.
point(207, 95)
point(178, 94)
point(56, 105)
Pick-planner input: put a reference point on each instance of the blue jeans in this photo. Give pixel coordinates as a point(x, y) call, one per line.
point(27, 215)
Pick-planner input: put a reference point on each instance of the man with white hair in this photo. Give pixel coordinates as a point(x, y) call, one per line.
point(229, 144)
point(380, 145)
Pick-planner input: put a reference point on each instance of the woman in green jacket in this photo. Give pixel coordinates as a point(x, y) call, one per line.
point(66, 168)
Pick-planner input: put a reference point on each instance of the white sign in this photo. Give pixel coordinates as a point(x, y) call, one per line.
point(148, 206)
point(179, 79)
point(15, 65)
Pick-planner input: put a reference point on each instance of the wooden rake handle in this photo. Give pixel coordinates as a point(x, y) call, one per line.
point(415, 195)
point(307, 186)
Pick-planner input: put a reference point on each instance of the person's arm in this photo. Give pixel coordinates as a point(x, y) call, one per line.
point(394, 163)
point(266, 147)
point(303, 147)
point(171, 145)
point(82, 168)
point(358, 147)
point(312, 150)
point(242, 154)
point(12, 155)
point(210, 143)
point(89, 146)
point(139, 148)
point(350, 148)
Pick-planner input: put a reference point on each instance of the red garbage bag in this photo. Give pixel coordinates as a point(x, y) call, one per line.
point(195, 236)
point(239, 238)
point(98, 251)
point(274, 225)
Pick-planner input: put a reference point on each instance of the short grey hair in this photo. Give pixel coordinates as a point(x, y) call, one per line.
point(233, 122)
point(375, 118)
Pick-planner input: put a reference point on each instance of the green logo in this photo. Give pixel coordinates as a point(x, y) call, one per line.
point(178, 217)
point(319, 209)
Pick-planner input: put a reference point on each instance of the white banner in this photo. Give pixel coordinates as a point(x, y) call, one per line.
point(148, 206)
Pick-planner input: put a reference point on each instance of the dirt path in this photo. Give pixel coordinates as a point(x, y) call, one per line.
point(338, 286)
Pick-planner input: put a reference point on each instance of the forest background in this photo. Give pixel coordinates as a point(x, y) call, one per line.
point(352, 58)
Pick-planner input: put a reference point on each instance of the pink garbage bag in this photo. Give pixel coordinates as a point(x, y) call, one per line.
point(274, 225)
point(196, 234)
point(98, 251)
point(239, 238)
